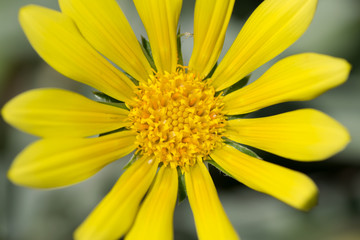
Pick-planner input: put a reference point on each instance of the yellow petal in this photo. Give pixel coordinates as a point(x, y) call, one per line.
point(291, 187)
point(106, 28)
point(210, 218)
point(210, 23)
point(57, 40)
point(155, 218)
point(296, 78)
point(60, 113)
point(51, 163)
point(273, 27)
point(305, 135)
point(115, 214)
point(160, 19)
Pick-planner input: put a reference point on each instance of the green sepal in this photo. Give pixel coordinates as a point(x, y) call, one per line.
point(179, 52)
point(236, 86)
point(113, 131)
point(212, 71)
point(145, 45)
point(133, 158)
point(181, 187)
point(105, 98)
point(231, 117)
point(212, 162)
point(241, 148)
point(136, 82)
point(240, 84)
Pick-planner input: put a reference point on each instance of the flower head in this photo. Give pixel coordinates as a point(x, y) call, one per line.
point(176, 117)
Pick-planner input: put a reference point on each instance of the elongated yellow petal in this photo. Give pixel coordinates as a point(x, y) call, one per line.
point(210, 218)
point(115, 214)
point(105, 26)
point(57, 40)
point(273, 27)
point(210, 22)
point(291, 187)
point(60, 113)
point(51, 163)
point(305, 135)
point(296, 78)
point(155, 218)
point(160, 19)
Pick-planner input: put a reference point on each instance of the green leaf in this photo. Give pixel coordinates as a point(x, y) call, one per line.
point(182, 188)
point(145, 45)
point(133, 158)
point(239, 84)
point(180, 57)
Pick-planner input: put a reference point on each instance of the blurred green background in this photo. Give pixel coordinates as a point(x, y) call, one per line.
point(42, 215)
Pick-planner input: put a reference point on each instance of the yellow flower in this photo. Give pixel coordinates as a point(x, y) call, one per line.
point(176, 117)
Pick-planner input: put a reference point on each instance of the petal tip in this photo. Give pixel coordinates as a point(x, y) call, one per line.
point(28, 10)
point(348, 66)
point(310, 202)
point(7, 112)
point(343, 67)
point(14, 176)
point(341, 138)
point(345, 138)
point(4, 112)
point(10, 175)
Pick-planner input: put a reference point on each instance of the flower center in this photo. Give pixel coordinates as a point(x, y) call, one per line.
point(178, 118)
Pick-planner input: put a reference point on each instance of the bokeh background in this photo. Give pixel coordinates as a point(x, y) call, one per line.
point(41, 215)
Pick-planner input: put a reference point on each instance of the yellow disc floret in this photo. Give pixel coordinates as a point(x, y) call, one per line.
point(178, 118)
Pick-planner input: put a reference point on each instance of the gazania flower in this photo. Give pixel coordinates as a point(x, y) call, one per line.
point(176, 117)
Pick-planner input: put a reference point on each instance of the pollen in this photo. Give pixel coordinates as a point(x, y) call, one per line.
point(178, 118)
